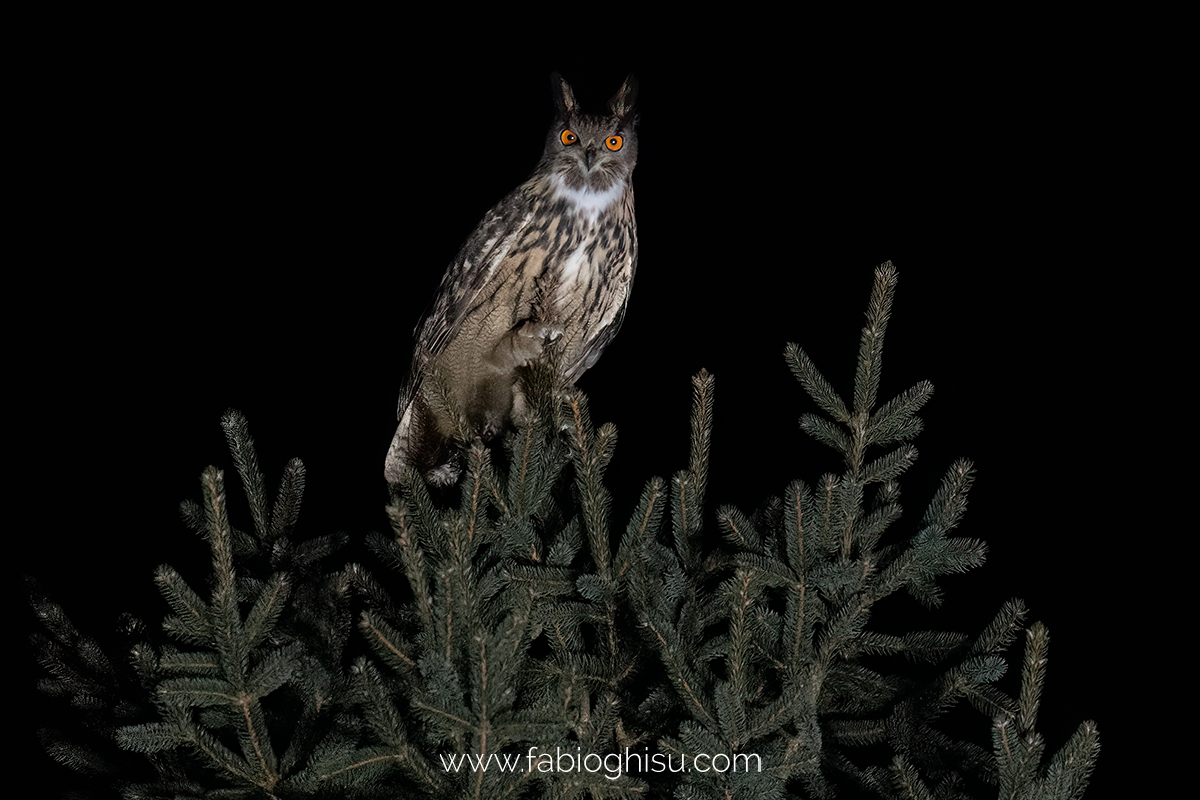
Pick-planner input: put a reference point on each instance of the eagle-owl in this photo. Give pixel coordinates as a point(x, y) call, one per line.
point(555, 258)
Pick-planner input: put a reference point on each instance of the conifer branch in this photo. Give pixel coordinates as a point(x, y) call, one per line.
point(815, 384)
point(701, 438)
point(245, 460)
point(870, 358)
point(797, 601)
point(1019, 749)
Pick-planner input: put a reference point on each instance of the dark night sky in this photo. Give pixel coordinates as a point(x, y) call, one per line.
point(253, 215)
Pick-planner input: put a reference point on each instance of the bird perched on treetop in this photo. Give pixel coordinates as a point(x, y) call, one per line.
point(555, 258)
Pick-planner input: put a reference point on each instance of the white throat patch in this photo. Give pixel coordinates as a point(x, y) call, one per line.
point(586, 201)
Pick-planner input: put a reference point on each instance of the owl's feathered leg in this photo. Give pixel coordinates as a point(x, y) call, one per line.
point(522, 345)
point(492, 407)
point(495, 401)
point(525, 344)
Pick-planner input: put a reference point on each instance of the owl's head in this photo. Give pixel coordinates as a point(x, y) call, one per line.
point(591, 154)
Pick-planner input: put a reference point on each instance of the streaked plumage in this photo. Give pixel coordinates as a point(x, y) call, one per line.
point(556, 257)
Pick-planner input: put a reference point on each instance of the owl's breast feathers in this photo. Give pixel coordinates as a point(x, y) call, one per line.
point(582, 245)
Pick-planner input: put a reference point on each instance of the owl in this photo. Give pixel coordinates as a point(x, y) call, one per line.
point(552, 261)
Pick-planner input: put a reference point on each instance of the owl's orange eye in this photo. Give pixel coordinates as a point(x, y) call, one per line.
point(568, 136)
point(614, 143)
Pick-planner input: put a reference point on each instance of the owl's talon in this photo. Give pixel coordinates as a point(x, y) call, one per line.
point(534, 330)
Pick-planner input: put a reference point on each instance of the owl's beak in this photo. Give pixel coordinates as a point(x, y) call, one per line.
point(589, 156)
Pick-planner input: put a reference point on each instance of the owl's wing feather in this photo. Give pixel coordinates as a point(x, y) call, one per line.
point(469, 273)
point(465, 279)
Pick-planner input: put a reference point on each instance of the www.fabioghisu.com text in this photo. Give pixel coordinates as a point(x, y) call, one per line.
point(611, 765)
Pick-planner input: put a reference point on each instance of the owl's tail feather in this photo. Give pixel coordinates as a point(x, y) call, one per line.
point(397, 456)
point(418, 444)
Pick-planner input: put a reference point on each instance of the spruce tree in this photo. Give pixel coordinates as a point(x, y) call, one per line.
point(511, 640)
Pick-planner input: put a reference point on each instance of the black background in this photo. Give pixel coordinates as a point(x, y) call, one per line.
point(224, 211)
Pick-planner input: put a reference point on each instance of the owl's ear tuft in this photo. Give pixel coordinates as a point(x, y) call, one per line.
point(564, 98)
point(621, 104)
